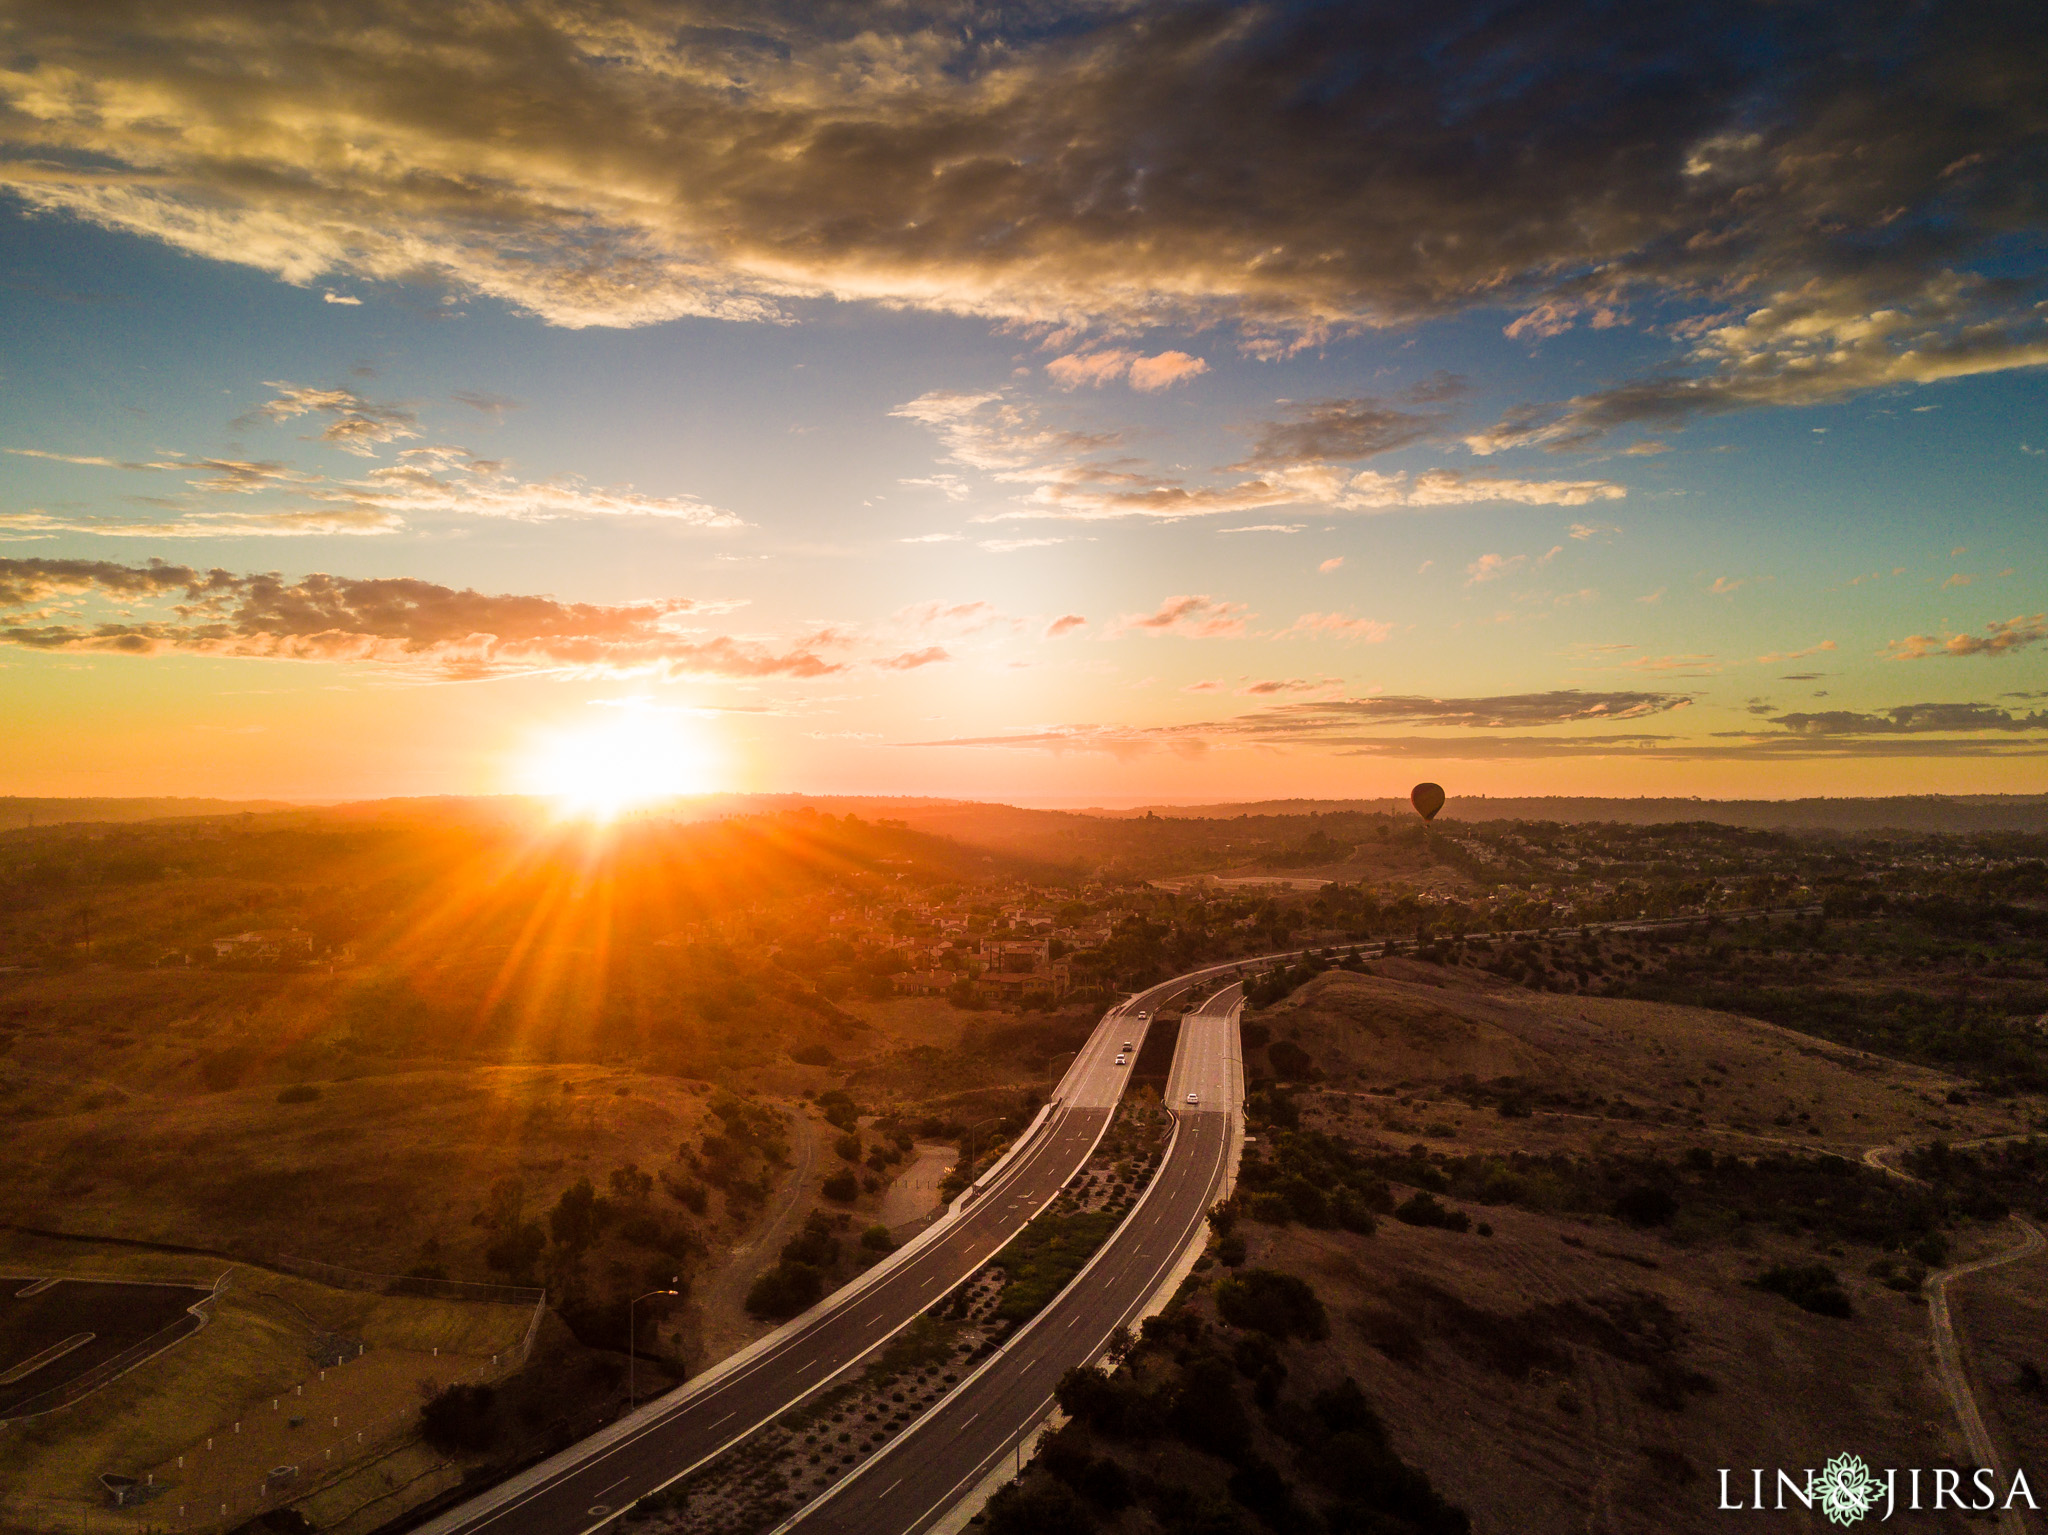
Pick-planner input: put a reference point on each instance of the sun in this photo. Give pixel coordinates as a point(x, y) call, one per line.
point(600, 771)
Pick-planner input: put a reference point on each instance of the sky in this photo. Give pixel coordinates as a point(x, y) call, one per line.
point(1100, 402)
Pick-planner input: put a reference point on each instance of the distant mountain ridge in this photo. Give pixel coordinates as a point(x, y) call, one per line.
point(1957, 813)
point(17, 812)
point(1904, 812)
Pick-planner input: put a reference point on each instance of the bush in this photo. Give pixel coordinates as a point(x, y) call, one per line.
point(785, 1290)
point(304, 1092)
point(1230, 1251)
point(842, 1186)
point(461, 1420)
point(1809, 1286)
point(876, 1239)
point(1424, 1209)
point(1272, 1302)
point(1039, 1508)
point(848, 1146)
point(1646, 1205)
point(517, 1250)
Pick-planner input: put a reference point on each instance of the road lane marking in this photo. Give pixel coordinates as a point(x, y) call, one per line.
point(889, 1489)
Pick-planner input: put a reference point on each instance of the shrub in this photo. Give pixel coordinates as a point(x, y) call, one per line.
point(1424, 1209)
point(842, 1186)
point(1272, 1302)
point(687, 1192)
point(876, 1239)
point(303, 1092)
point(848, 1146)
point(517, 1250)
point(1038, 1508)
point(785, 1290)
point(1646, 1205)
point(461, 1420)
point(1809, 1286)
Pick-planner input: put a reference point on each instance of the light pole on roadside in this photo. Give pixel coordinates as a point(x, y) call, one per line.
point(967, 1139)
point(633, 1344)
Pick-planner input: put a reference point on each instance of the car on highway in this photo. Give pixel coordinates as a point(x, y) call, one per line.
point(1143, 1016)
point(1127, 1044)
point(1194, 1097)
point(1119, 1060)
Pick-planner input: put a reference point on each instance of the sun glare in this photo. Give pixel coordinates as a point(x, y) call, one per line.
point(604, 770)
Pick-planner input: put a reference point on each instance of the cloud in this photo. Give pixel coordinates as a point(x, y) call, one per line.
point(1338, 626)
point(419, 625)
point(957, 620)
point(1066, 623)
point(1585, 530)
point(1491, 729)
point(1152, 374)
point(1725, 585)
point(1999, 638)
point(1187, 617)
point(1267, 527)
point(354, 423)
point(933, 538)
point(1811, 193)
point(1335, 562)
point(1273, 687)
point(1146, 374)
point(1490, 567)
point(433, 481)
point(1776, 656)
point(321, 522)
point(484, 403)
point(1914, 719)
point(1690, 665)
point(1012, 545)
point(910, 660)
point(1822, 341)
point(1318, 430)
point(1211, 685)
point(1958, 579)
point(1069, 479)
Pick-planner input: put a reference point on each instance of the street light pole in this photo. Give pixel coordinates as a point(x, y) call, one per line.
point(633, 1344)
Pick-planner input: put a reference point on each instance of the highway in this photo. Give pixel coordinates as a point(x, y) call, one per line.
point(585, 1485)
point(910, 1485)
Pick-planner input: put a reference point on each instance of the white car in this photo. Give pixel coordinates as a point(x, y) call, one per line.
point(1143, 1016)
point(1194, 1097)
point(1119, 1060)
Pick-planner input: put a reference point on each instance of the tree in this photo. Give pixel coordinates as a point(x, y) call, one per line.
point(1271, 1302)
point(517, 1250)
point(578, 1216)
point(461, 1420)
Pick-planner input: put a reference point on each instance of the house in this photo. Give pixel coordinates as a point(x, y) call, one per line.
point(1015, 968)
point(265, 946)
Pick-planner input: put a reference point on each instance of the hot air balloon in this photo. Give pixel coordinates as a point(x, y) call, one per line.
point(1428, 799)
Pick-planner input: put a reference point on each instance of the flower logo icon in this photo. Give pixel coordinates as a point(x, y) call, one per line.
point(1847, 1489)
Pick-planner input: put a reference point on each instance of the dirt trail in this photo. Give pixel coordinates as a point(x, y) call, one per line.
point(720, 1302)
point(1948, 1349)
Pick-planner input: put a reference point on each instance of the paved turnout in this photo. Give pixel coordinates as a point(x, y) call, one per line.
point(910, 1486)
point(583, 1486)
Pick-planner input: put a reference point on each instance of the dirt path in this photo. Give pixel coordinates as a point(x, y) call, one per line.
point(1948, 1356)
point(1948, 1349)
point(724, 1325)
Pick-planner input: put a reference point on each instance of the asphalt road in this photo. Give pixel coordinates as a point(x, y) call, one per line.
point(1207, 1062)
point(909, 1486)
point(584, 1485)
